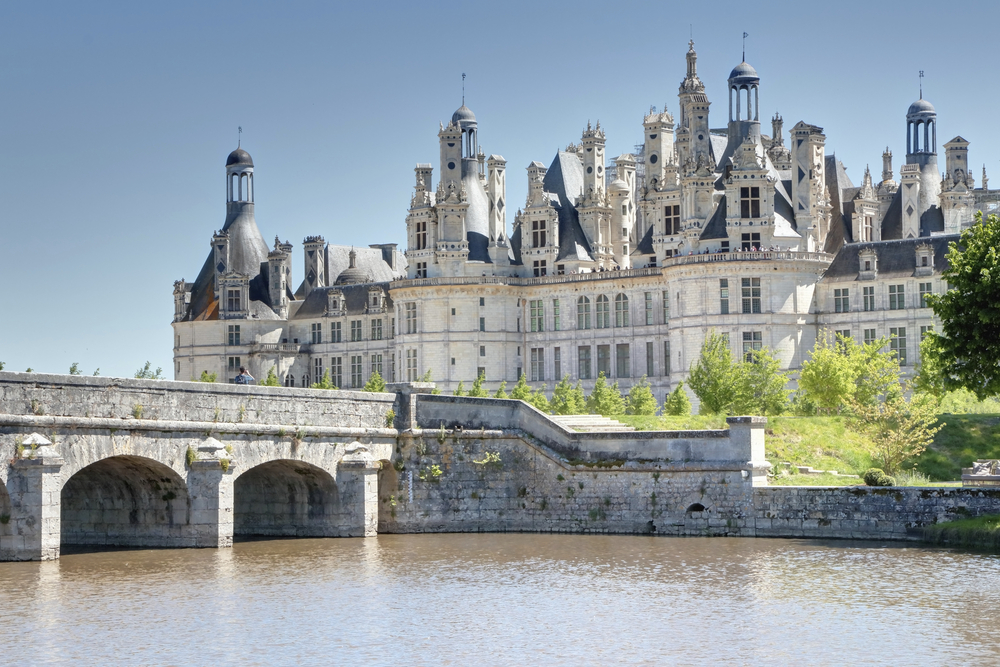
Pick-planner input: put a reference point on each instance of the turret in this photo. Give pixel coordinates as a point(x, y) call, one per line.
point(864, 227)
point(314, 248)
point(744, 90)
point(279, 270)
point(593, 159)
point(780, 156)
point(921, 153)
point(693, 134)
point(885, 192)
point(808, 182)
point(621, 193)
point(659, 148)
point(957, 198)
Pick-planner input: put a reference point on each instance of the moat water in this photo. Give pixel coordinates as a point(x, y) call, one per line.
point(510, 599)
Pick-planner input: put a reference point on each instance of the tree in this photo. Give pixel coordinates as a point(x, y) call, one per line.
point(460, 390)
point(375, 383)
point(760, 386)
point(828, 377)
point(538, 399)
point(640, 399)
point(477, 390)
point(677, 403)
point(968, 347)
point(29, 369)
point(876, 371)
point(97, 371)
point(566, 400)
point(897, 429)
point(521, 391)
point(271, 380)
point(501, 392)
point(1, 365)
point(324, 383)
point(208, 377)
point(74, 368)
point(427, 376)
point(605, 400)
point(146, 373)
point(713, 377)
point(930, 373)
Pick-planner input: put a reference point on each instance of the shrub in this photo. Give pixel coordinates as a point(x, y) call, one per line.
point(877, 477)
point(375, 383)
point(208, 377)
point(502, 391)
point(677, 404)
point(271, 380)
point(147, 373)
point(477, 390)
point(640, 399)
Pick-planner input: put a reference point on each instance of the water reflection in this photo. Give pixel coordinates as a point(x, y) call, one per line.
point(506, 599)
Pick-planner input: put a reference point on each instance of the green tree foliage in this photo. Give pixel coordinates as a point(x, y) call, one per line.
point(477, 390)
point(74, 368)
point(713, 378)
point(760, 386)
point(502, 391)
point(930, 373)
point(324, 383)
point(567, 400)
point(677, 404)
point(898, 429)
point(968, 347)
point(375, 383)
point(2, 364)
point(271, 380)
point(97, 371)
point(29, 369)
point(521, 391)
point(605, 400)
point(208, 377)
point(147, 373)
point(842, 370)
point(640, 399)
point(539, 400)
point(460, 390)
point(427, 376)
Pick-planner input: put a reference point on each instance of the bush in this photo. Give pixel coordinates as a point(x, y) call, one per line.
point(375, 383)
point(877, 477)
point(640, 399)
point(677, 404)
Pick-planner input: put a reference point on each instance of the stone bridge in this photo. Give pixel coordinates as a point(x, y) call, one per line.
point(122, 462)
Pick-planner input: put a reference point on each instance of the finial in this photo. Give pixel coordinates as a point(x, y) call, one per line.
point(745, 35)
point(921, 84)
point(240, 136)
point(463, 89)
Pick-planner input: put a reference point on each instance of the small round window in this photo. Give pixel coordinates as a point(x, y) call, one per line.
point(700, 137)
point(653, 158)
point(652, 136)
point(600, 169)
point(451, 165)
point(590, 170)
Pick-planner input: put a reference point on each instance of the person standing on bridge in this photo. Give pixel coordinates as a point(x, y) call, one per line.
point(244, 377)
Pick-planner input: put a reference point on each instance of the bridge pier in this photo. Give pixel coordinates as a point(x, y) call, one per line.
point(357, 478)
point(32, 530)
point(211, 490)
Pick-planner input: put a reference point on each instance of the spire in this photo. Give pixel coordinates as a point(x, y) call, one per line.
point(921, 84)
point(745, 35)
point(463, 89)
point(886, 165)
point(777, 122)
point(985, 179)
point(353, 256)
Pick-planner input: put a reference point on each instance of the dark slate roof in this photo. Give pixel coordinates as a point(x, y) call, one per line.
point(355, 300)
point(716, 226)
point(370, 262)
point(239, 156)
point(842, 192)
point(645, 245)
point(477, 219)
point(892, 223)
point(565, 180)
point(931, 221)
point(896, 258)
point(515, 247)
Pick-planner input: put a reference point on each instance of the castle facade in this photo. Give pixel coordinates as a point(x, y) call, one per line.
point(617, 266)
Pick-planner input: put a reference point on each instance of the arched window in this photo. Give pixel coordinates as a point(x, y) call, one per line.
point(621, 311)
point(583, 313)
point(603, 312)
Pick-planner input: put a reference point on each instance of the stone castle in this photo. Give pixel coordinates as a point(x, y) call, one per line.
point(620, 266)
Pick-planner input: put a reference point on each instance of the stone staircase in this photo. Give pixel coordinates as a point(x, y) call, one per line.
point(590, 423)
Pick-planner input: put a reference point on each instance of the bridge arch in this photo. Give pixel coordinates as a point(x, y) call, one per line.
point(287, 498)
point(130, 501)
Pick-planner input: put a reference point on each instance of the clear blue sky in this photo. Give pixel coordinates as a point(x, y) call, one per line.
point(117, 120)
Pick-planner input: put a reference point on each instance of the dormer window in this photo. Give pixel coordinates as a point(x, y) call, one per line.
point(232, 300)
point(868, 264)
point(925, 260)
point(750, 202)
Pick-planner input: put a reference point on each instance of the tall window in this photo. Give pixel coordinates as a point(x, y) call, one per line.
point(540, 268)
point(421, 270)
point(411, 366)
point(317, 333)
point(557, 363)
point(869, 336)
point(234, 334)
point(337, 371)
point(357, 372)
point(672, 215)
point(482, 350)
point(750, 241)
point(866, 228)
point(925, 330)
point(538, 234)
point(897, 343)
point(868, 297)
point(621, 311)
point(650, 370)
point(335, 334)
point(750, 202)
point(537, 315)
point(410, 311)
point(234, 365)
point(318, 368)
point(841, 301)
point(356, 332)
point(233, 300)
point(376, 329)
point(751, 295)
point(421, 234)
point(666, 357)
point(603, 312)
point(723, 296)
point(583, 313)
point(376, 364)
point(649, 308)
point(896, 300)
point(623, 365)
point(752, 340)
point(604, 360)
point(555, 314)
point(482, 324)
point(583, 362)
point(537, 364)
point(925, 289)
point(843, 333)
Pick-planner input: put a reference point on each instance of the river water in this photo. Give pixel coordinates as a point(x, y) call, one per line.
point(509, 599)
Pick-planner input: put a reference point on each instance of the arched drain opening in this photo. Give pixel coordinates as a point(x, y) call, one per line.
point(696, 507)
point(286, 499)
point(125, 501)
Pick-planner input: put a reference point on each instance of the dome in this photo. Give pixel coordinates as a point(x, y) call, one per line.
point(618, 185)
point(239, 156)
point(352, 275)
point(920, 106)
point(463, 116)
point(744, 69)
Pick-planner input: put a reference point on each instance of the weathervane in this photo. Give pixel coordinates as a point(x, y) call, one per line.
point(745, 35)
point(921, 84)
point(240, 141)
point(463, 89)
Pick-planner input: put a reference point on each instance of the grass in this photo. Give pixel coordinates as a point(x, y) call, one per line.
point(981, 532)
point(827, 443)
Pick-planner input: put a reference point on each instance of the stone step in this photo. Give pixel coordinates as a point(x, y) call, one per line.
point(591, 423)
